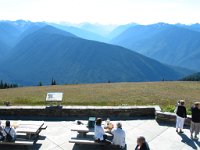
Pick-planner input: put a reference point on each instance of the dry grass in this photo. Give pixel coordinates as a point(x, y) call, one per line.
point(164, 94)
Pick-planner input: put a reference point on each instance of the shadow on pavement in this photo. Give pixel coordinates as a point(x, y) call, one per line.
point(88, 147)
point(96, 147)
point(13, 147)
point(197, 143)
point(21, 147)
point(188, 141)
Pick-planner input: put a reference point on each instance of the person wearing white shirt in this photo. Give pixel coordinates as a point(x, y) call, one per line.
point(119, 136)
point(1, 127)
point(1, 132)
point(9, 130)
point(99, 131)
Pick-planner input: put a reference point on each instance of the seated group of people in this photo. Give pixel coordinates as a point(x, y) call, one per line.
point(7, 133)
point(118, 136)
point(182, 115)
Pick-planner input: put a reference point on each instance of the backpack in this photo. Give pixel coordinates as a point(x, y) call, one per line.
point(8, 137)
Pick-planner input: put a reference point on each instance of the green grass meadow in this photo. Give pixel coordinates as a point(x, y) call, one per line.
point(164, 94)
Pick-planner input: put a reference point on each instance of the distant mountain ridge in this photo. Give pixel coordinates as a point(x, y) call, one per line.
point(81, 32)
point(11, 33)
point(48, 52)
point(170, 44)
point(102, 30)
point(194, 27)
point(119, 29)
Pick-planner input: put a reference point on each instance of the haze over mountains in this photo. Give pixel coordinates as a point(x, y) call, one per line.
point(37, 52)
point(177, 45)
point(12, 32)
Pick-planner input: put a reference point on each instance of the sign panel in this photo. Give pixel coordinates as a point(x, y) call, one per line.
point(54, 97)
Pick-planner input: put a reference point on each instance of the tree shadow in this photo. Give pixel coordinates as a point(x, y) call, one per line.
point(188, 141)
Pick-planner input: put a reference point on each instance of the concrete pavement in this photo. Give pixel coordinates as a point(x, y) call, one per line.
point(159, 137)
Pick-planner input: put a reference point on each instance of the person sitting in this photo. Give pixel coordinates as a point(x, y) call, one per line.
point(195, 123)
point(1, 127)
point(99, 132)
point(1, 132)
point(181, 114)
point(142, 144)
point(9, 133)
point(119, 136)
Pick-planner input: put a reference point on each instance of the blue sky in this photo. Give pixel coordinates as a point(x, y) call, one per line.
point(102, 11)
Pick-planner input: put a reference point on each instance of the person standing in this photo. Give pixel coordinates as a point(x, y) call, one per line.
point(195, 122)
point(181, 115)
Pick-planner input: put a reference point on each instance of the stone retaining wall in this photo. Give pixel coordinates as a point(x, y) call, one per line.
point(85, 111)
point(79, 111)
point(169, 117)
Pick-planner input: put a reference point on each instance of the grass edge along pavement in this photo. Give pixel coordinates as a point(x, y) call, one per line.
point(164, 94)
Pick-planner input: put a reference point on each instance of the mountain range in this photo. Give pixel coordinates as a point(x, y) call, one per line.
point(177, 45)
point(83, 33)
point(11, 32)
point(39, 52)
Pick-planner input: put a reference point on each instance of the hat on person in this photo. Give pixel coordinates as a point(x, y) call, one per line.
point(182, 102)
point(197, 104)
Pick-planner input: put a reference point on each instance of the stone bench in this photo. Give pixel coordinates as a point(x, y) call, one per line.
point(86, 142)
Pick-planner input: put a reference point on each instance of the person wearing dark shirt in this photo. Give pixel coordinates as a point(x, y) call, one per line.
point(181, 115)
point(142, 144)
point(195, 123)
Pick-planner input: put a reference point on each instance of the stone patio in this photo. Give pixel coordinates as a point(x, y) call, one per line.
point(159, 137)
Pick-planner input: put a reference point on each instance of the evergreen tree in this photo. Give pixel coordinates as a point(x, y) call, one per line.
point(1, 84)
point(40, 83)
point(193, 77)
point(53, 82)
point(5, 85)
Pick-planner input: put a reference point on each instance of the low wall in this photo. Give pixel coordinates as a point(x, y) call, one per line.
point(169, 117)
point(78, 111)
point(42, 112)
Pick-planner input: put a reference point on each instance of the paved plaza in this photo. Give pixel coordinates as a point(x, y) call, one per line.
point(159, 137)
